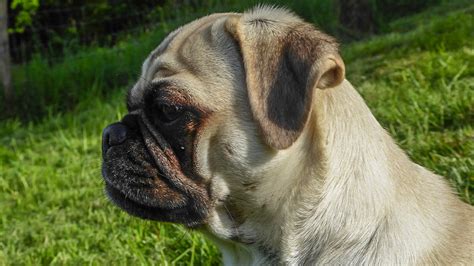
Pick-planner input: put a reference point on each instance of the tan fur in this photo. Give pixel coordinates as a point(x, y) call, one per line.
point(332, 188)
point(282, 71)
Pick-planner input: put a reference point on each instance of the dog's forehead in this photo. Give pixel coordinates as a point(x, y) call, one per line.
point(199, 58)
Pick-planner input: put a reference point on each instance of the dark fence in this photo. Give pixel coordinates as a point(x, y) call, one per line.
point(52, 61)
point(56, 53)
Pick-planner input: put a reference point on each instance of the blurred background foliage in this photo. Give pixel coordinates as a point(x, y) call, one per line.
point(57, 26)
point(45, 34)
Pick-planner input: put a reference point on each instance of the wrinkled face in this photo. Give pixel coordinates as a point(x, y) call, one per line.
point(214, 120)
point(159, 161)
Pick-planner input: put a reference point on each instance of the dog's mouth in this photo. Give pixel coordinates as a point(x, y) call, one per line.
point(144, 177)
point(148, 212)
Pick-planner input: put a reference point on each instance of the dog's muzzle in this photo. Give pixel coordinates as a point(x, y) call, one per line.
point(143, 176)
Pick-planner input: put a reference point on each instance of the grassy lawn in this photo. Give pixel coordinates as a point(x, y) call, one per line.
point(418, 80)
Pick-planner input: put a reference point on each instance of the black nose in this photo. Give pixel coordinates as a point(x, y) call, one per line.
point(113, 135)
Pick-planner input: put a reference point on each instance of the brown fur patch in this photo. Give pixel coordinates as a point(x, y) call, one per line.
point(283, 64)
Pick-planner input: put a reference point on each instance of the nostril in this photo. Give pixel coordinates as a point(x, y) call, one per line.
point(113, 135)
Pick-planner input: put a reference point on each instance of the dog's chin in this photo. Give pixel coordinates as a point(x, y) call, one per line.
point(134, 208)
point(146, 211)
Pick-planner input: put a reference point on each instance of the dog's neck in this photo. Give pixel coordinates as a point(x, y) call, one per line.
point(355, 160)
point(337, 204)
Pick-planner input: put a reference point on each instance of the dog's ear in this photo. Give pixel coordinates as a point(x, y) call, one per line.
point(285, 59)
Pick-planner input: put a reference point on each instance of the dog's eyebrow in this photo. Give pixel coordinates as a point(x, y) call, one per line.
point(164, 69)
point(133, 104)
point(156, 86)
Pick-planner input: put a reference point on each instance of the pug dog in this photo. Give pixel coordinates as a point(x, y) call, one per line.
point(244, 127)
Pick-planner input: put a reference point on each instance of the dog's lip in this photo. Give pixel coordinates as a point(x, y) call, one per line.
point(128, 204)
point(142, 211)
point(110, 185)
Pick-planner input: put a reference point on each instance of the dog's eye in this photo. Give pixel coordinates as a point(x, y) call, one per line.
point(169, 113)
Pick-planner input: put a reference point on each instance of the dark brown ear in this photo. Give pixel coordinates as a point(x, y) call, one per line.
point(285, 59)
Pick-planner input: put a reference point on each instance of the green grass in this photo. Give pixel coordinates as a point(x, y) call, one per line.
point(53, 206)
point(48, 87)
point(418, 81)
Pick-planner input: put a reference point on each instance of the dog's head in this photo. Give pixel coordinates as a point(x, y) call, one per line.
point(215, 116)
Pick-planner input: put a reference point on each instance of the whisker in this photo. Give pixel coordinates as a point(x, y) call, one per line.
point(236, 229)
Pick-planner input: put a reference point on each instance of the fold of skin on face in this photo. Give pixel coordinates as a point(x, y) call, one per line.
point(144, 177)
